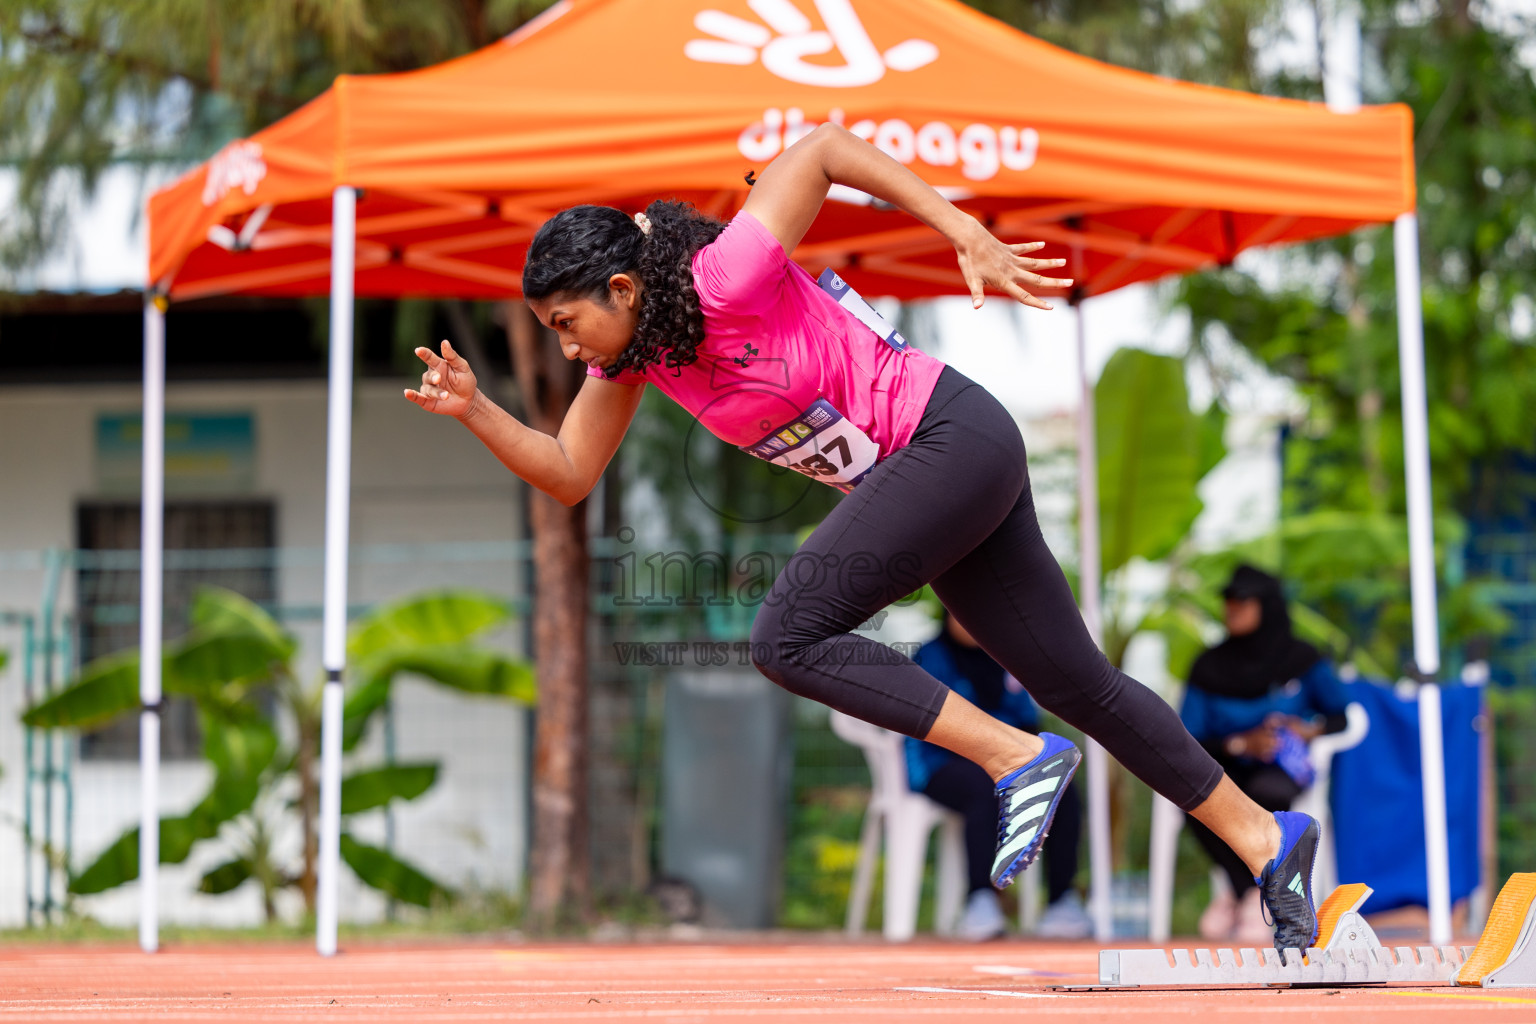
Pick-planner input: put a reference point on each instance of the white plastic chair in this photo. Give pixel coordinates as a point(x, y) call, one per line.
point(1167, 820)
point(904, 819)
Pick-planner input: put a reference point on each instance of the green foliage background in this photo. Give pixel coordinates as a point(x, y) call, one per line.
point(235, 665)
point(85, 83)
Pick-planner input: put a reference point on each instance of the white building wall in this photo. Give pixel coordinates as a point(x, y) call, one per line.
point(417, 479)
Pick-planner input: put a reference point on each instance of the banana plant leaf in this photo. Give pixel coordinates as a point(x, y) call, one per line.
point(362, 703)
point(1152, 450)
point(217, 610)
point(389, 874)
point(468, 669)
point(106, 688)
point(200, 665)
point(240, 752)
point(363, 791)
point(239, 748)
point(436, 617)
point(206, 662)
point(1213, 443)
point(119, 862)
point(1332, 545)
point(226, 877)
point(463, 667)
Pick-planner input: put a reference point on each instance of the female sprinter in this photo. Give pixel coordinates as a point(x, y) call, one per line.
point(720, 319)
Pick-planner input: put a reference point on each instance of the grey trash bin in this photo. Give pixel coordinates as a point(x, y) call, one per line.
point(726, 762)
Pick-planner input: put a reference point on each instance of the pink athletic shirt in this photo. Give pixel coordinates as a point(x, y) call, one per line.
point(785, 372)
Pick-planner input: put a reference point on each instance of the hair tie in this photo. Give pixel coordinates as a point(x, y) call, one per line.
point(643, 223)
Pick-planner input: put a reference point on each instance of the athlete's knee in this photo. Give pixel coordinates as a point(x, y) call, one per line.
point(767, 628)
point(783, 632)
point(776, 648)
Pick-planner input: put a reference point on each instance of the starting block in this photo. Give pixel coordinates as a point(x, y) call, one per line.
point(1348, 953)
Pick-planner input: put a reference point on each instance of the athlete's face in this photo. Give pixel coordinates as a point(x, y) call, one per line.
point(589, 330)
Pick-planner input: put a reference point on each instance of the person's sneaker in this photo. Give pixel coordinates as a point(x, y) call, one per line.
point(1286, 883)
point(1065, 919)
point(1027, 798)
point(983, 917)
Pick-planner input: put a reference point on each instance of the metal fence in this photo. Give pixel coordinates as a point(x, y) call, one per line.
point(64, 798)
point(73, 794)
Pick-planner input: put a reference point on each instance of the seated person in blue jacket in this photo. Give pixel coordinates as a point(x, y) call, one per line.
point(956, 660)
point(1254, 701)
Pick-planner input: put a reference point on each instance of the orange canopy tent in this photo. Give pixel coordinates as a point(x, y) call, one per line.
point(432, 183)
point(620, 101)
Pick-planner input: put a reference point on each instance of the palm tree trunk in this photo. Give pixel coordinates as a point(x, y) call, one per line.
point(558, 869)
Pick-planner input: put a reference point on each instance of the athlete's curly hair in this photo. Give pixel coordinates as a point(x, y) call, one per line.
point(577, 250)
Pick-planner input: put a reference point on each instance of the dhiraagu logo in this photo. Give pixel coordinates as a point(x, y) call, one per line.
point(783, 38)
point(237, 165)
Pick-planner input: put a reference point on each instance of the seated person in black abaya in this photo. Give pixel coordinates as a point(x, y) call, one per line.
point(1255, 701)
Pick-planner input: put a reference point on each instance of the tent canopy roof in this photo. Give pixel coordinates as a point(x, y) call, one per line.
point(624, 101)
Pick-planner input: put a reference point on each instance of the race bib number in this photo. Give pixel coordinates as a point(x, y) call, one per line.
point(854, 303)
point(822, 444)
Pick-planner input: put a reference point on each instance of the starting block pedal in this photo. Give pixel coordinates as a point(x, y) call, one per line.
point(1349, 953)
point(1505, 956)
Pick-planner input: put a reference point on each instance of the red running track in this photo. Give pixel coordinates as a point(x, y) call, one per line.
point(828, 980)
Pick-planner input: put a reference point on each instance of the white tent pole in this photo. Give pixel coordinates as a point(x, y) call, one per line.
point(1421, 554)
point(151, 546)
point(1100, 866)
point(338, 473)
point(1342, 86)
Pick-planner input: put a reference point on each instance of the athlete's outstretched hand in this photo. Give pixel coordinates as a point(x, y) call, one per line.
point(988, 262)
point(447, 385)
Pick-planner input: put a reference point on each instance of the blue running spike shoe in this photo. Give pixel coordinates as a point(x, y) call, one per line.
point(1286, 883)
point(1026, 804)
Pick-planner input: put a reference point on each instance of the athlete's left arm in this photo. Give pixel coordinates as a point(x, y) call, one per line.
point(791, 189)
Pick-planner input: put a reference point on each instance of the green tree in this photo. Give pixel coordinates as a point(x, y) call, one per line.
point(1153, 451)
point(1330, 325)
point(1216, 42)
point(88, 83)
point(235, 662)
point(85, 84)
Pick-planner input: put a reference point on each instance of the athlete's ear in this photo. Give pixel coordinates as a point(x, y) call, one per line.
point(624, 290)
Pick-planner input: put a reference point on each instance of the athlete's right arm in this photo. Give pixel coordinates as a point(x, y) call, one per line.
point(566, 466)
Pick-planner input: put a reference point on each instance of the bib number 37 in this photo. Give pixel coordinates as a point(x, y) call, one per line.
point(822, 444)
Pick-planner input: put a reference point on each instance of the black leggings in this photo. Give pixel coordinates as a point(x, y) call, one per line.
point(953, 508)
point(963, 787)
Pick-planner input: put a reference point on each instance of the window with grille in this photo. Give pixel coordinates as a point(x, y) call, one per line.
point(226, 544)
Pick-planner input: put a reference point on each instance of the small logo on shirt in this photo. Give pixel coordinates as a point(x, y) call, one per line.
point(750, 351)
